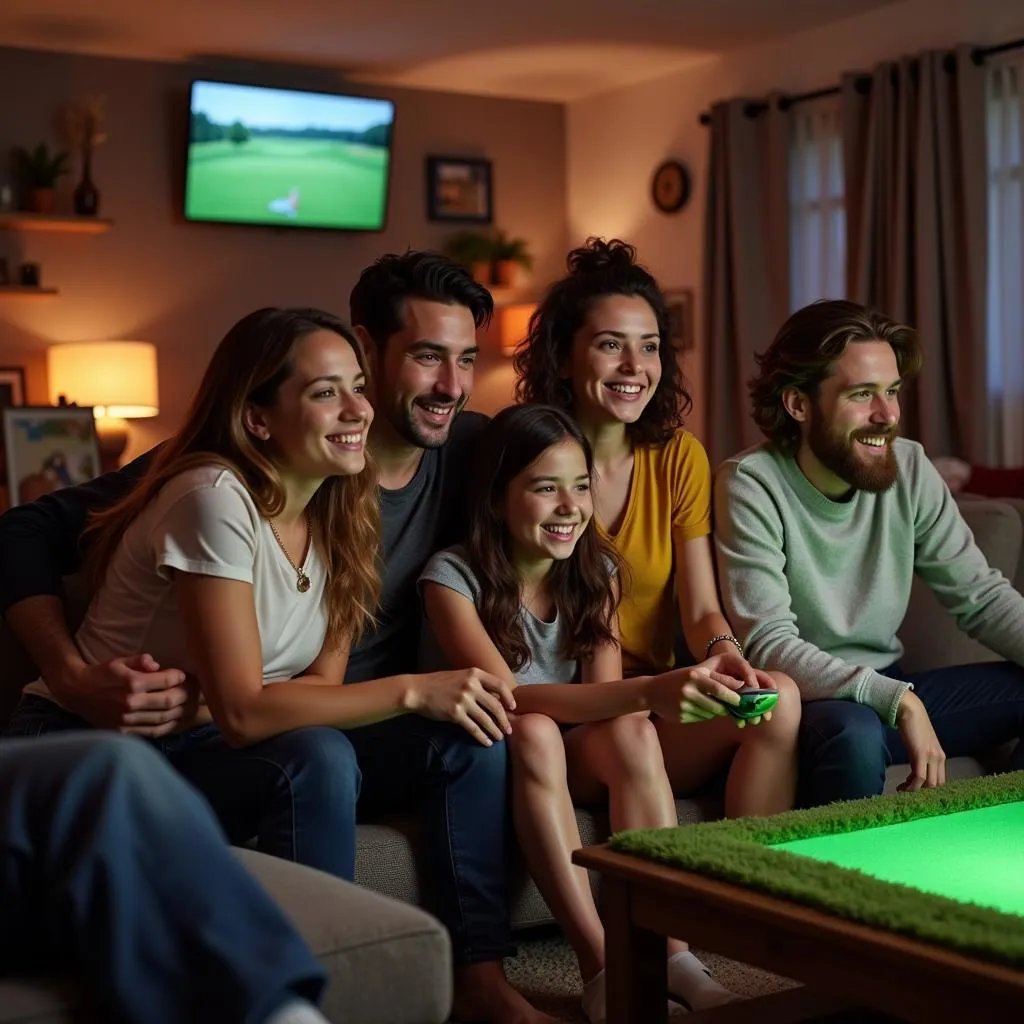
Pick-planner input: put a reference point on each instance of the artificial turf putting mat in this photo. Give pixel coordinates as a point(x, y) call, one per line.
point(753, 853)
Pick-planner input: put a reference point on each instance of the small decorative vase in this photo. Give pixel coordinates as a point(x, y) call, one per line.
point(87, 195)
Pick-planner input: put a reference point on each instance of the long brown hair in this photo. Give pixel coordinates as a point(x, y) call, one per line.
point(249, 366)
point(596, 270)
point(584, 586)
point(802, 354)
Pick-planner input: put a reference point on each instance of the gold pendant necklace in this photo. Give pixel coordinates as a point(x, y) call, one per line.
point(302, 580)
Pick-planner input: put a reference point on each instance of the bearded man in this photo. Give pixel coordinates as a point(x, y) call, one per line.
point(819, 531)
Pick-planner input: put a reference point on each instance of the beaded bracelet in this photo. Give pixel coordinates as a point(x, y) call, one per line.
point(722, 636)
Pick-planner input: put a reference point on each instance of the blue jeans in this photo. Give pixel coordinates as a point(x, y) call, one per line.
point(111, 866)
point(294, 793)
point(460, 789)
point(297, 794)
point(845, 747)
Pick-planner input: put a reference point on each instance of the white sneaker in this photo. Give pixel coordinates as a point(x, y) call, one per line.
point(594, 1006)
point(691, 983)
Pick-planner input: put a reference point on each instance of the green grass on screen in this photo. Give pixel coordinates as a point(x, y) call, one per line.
point(340, 185)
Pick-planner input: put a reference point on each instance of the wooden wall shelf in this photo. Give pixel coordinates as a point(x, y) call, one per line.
point(21, 292)
point(53, 222)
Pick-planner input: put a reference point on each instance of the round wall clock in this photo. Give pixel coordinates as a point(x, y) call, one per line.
point(670, 187)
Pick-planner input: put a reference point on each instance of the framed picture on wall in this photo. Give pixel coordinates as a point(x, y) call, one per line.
point(12, 386)
point(47, 448)
point(459, 189)
point(679, 303)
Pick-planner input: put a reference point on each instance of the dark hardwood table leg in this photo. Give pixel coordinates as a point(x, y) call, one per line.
point(636, 971)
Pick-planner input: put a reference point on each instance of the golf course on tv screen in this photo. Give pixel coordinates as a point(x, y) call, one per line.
point(287, 158)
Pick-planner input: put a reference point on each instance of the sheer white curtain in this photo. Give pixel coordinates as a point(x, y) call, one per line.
point(817, 218)
point(1005, 341)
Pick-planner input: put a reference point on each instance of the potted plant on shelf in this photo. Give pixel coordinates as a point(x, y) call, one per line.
point(39, 170)
point(474, 250)
point(509, 255)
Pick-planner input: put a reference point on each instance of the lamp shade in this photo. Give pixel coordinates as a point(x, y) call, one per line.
point(117, 378)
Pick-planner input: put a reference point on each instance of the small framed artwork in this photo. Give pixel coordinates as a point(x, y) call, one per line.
point(47, 448)
point(459, 189)
point(12, 386)
point(679, 304)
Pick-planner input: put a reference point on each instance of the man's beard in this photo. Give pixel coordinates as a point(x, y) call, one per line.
point(837, 453)
point(427, 437)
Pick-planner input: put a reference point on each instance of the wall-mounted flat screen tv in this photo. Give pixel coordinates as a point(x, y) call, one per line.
point(287, 158)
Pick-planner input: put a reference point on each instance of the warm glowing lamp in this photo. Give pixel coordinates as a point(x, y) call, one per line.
point(117, 378)
point(513, 325)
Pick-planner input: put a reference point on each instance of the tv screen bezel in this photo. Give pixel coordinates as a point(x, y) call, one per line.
point(270, 226)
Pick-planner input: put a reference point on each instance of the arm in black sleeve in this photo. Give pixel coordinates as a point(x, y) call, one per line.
point(39, 542)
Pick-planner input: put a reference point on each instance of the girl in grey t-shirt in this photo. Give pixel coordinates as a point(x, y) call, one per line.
point(531, 597)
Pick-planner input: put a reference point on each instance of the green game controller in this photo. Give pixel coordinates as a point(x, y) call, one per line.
point(753, 703)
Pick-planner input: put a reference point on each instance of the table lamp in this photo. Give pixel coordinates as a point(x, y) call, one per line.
point(117, 378)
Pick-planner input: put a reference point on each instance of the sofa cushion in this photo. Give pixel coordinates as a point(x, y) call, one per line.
point(388, 962)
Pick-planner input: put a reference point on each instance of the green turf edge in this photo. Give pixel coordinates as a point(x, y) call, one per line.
point(739, 850)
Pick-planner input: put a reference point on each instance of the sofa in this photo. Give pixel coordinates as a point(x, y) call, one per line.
point(386, 856)
point(389, 961)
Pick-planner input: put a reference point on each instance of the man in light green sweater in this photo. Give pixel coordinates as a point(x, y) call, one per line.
point(819, 532)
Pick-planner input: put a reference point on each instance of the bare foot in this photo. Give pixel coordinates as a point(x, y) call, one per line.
point(484, 996)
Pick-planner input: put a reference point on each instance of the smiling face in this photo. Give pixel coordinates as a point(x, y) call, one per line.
point(615, 366)
point(548, 505)
point(849, 427)
point(318, 422)
point(425, 373)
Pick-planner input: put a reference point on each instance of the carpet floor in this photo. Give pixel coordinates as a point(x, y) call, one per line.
point(545, 972)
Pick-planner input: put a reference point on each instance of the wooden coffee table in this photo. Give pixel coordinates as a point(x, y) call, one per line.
point(841, 961)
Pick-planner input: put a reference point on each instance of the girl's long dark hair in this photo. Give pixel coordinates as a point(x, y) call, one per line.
point(584, 587)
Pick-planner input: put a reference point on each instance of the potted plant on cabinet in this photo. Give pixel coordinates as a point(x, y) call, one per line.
point(39, 171)
point(509, 255)
point(474, 250)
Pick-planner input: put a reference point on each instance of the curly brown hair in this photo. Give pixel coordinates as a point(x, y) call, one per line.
point(802, 354)
point(584, 586)
point(598, 269)
point(250, 364)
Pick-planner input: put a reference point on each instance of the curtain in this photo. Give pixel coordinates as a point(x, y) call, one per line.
point(817, 218)
point(746, 266)
point(914, 154)
point(1005, 106)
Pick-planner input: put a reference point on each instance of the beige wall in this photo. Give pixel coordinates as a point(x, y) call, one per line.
point(182, 285)
point(615, 141)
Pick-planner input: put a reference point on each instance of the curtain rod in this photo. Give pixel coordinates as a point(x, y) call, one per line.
point(863, 82)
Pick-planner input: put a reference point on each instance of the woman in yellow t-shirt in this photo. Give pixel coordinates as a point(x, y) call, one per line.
point(599, 347)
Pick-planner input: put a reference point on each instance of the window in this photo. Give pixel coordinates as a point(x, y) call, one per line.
point(817, 218)
point(1005, 341)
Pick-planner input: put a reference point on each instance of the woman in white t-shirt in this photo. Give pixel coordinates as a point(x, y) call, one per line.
point(247, 557)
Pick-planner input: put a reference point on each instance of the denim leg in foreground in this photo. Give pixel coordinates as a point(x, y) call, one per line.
point(845, 748)
point(111, 863)
point(460, 790)
point(294, 793)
